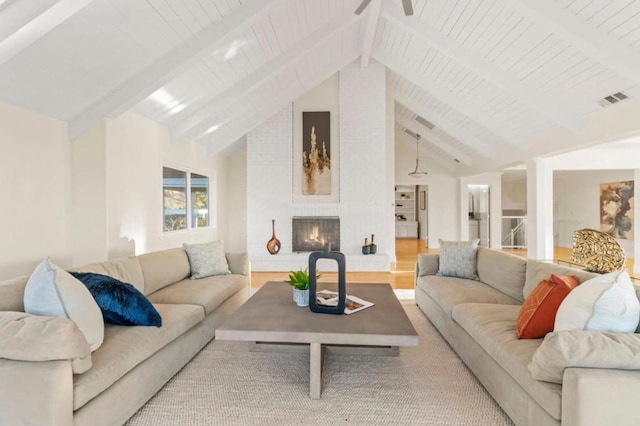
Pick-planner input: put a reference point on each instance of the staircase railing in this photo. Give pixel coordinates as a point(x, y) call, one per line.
point(517, 235)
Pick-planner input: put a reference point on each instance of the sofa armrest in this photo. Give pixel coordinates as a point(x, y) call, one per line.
point(428, 264)
point(27, 337)
point(593, 396)
point(239, 263)
point(36, 393)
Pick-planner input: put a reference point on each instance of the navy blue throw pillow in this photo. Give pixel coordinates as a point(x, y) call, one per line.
point(121, 303)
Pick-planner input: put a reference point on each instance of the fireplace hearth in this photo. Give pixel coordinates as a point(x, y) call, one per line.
point(312, 233)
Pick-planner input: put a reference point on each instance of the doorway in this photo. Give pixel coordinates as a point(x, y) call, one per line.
point(479, 207)
point(423, 213)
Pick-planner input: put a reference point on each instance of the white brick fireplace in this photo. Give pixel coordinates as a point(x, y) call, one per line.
point(364, 209)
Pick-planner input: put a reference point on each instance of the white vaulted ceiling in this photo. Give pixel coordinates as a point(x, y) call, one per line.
point(480, 80)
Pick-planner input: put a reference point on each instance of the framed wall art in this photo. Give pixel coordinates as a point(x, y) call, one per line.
point(616, 209)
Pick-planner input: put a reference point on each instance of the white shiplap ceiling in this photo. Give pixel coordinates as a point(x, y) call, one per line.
point(490, 75)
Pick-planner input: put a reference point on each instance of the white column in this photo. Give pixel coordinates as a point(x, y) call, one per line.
point(539, 209)
point(636, 226)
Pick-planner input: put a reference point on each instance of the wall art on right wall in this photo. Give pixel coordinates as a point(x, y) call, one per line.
point(616, 209)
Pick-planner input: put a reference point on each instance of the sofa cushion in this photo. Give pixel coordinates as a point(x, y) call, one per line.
point(538, 313)
point(207, 259)
point(448, 292)
point(208, 292)
point(604, 303)
point(161, 268)
point(538, 271)
point(126, 347)
point(12, 294)
point(503, 271)
point(428, 264)
point(493, 328)
point(458, 259)
point(28, 337)
point(585, 349)
point(238, 263)
point(120, 303)
point(52, 291)
point(125, 269)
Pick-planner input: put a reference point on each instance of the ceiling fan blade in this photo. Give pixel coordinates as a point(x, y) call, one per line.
point(362, 6)
point(408, 7)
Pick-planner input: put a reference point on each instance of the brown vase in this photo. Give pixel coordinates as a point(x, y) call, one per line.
point(273, 245)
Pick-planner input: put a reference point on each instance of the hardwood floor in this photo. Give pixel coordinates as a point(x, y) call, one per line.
point(401, 275)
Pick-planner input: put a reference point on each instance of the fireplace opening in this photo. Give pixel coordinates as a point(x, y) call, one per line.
point(316, 233)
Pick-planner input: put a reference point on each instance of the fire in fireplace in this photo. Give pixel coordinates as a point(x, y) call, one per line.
point(316, 233)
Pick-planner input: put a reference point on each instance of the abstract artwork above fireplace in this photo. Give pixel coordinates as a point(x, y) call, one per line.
point(316, 233)
point(316, 153)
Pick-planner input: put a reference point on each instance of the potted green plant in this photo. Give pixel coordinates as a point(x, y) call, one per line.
point(300, 280)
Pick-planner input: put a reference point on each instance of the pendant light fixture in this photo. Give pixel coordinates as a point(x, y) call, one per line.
point(418, 172)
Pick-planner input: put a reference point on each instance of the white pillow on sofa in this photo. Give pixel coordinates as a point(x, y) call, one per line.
point(604, 303)
point(53, 292)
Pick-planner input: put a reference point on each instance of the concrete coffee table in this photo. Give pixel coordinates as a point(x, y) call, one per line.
point(271, 316)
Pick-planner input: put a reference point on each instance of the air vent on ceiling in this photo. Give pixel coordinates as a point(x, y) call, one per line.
point(429, 125)
point(410, 133)
point(613, 99)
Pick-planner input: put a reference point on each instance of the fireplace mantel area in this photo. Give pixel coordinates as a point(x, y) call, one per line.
point(357, 102)
point(307, 234)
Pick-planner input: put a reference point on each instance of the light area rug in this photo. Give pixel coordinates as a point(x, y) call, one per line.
point(226, 384)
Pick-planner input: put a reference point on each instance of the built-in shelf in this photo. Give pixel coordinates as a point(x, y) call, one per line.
point(405, 210)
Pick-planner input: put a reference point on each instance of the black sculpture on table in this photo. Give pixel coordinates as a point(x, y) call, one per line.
point(342, 282)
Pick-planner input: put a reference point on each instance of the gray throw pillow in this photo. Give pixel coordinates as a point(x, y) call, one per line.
point(458, 259)
point(207, 259)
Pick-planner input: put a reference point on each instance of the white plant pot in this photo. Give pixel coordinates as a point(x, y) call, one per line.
point(301, 297)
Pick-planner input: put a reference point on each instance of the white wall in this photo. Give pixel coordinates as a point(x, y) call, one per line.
point(89, 235)
point(364, 207)
point(236, 205)
point(576, 197)
point(95, 198)
point(135, 149)
point(35, 166)
point(514, 194)
point(390, 168)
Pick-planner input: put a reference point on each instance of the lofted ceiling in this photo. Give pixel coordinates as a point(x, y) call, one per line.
point(479, 80)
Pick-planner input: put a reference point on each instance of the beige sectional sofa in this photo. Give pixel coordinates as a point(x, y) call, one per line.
point(478, 319)
point(39, 355)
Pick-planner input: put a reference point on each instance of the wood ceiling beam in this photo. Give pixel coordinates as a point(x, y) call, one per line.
point(429, 136)
point(475, 113)
point(583, 36)
point(160, 71)
point(24, 22)
point(370, 32)
point(217, 143)
point(194, 125)
point(552, 108)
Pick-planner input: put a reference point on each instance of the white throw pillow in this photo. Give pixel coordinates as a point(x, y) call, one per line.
point(207, 259)
point(52, 291)
point(604, 303)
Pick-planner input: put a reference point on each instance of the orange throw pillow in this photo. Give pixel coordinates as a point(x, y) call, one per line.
point(538, 313)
